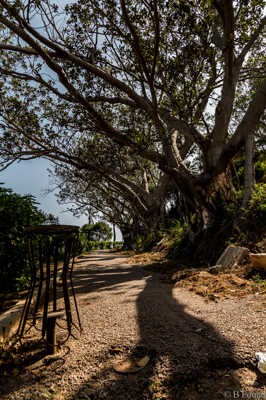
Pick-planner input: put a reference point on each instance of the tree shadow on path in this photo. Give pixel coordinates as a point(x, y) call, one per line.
point(181, 346)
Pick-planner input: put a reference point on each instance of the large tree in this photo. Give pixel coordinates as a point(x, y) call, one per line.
point(178, 67)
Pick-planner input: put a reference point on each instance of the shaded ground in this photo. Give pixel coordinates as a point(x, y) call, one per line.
point(8, 300)
point(198, 350)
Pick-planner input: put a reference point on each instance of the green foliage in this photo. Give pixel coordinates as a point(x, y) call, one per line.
point(16, 212)
point(257, 205)
point(175, 230)
point(259, 168)
point(89, 245)
point(255, 213)
point(95, 236)
point(175, 234)
point(50, 219)
point(118, 245)
point(251, 226)
point(22, 280)
point(98, 231)
point(146, 242)
point(234, 224)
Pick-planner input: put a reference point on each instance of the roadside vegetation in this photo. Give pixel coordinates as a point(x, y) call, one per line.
point(17, 212)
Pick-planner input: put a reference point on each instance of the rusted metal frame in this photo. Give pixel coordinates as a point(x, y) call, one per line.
point(48, 250)
point(38, 299)
point(55, 256)
point(72, 289)
point(47, 287)
point(26, 309)
point(68, 247)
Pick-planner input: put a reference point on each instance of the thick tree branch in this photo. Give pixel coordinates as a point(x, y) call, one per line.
point(28, 51)
point(225, 106)
point(184, 128)
point(247, 126)
point(112, 100)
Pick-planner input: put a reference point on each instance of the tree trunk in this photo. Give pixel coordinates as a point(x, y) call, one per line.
point(249, 171)
point(130, 234)
point(208, 228)
point(128, 245)
point(212, 196)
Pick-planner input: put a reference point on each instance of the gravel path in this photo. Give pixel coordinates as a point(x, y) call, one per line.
point(123, 306)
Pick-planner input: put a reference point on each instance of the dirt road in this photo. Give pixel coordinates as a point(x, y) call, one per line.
point(124, 306)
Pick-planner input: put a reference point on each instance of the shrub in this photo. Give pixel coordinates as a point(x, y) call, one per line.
point(176, 235)
point(16, 212)
point(257, 205)
point(98, 231)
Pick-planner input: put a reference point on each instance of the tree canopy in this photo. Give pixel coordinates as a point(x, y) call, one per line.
point(100, 85)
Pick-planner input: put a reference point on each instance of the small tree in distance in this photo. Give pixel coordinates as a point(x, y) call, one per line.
point(98, 231)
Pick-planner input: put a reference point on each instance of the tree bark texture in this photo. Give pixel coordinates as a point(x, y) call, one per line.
point(249, 171)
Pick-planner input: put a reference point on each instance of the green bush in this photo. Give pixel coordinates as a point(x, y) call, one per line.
point(257, 205)
point(175, 230)
point(89, 245)
point(251, 226)
point(16, 212)
point(175, 235)
point(96, 232)
point(118, 245)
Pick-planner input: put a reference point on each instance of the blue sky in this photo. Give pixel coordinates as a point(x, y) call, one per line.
point(32, 177)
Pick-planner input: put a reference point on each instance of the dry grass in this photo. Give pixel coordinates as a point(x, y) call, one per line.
point(215, 287)
point(212, 283)
point(147, 258)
